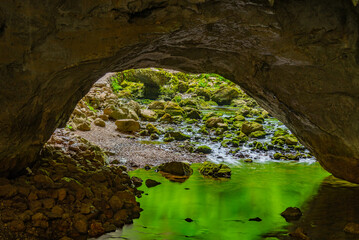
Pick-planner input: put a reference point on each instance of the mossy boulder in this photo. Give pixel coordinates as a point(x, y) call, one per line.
point(189, 102)
point(213, 122)
point(167, 118)
point(148, 115)
point(215, 170)
point(291, 140)
point(159, 105)
point(224, 95)
point(192, 113)
point(203, 149)
point(177, 136)
point(258, 134)
point(176, 168)
point(249, 127)
point(173, 108)
point(152, 129)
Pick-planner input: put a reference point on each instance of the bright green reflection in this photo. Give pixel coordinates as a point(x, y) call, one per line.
point(221, 209)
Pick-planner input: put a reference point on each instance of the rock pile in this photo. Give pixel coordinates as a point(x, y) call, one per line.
point(71, 193)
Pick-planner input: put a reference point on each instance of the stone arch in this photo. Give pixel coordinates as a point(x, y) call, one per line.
point(298, 59)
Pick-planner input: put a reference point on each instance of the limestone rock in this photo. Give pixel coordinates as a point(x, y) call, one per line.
point(213, 122)
point(157, 105)
point(224, 96)
point(127, 125)
point(100, 122)
point(250, 127)
point(148, 115)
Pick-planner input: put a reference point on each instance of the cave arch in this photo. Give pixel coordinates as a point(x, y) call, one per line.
point(298, 59)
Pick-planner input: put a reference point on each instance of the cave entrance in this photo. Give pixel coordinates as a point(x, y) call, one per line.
point(195, 116)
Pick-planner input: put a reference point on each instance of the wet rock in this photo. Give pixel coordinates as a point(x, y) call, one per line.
point(352, 228)
point(127, 125)
point(189, 220)
point(137, 181)
point(291, 140)
point(256, 219)
point(151, 183)
point(173, 109)
point(215, 170)
point(99, 122)
point(108, 227)
point(166, 118)
point(177, 136)
point(176, 168)
point(291, 214)
point(213, 122)
point(203, 149)
point(248, 160)
point(57, 211)
point(135, 106)
point(148, 115)
point(151, 128)
point(257, 134)
point(96, 229)
point(62, 193)
point(193, 113)
point(249, 127)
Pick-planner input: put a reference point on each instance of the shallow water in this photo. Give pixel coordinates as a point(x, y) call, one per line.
point(221, 209)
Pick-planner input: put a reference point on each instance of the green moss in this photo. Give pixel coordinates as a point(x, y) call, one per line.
point(152, 129)
point(203, 149)
point(215, 170)
point(177, 136)
point(257, 134)
point(168, 139)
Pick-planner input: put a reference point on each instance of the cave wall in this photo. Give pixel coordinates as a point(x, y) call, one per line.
point(298, 59)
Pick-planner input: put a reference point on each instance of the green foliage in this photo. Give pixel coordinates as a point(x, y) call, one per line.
point(91, 107)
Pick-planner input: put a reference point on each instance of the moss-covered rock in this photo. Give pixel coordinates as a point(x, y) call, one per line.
point(167, 118)
point(192, 113)
point(173, 108)
point(224, 95)
point(148, 115)
point(249, 127)
point(176, 168)
point(291, 140)
point(177, 136)
point(158, 105)
point(203, 149)
point(213, 122)
point(215, 170)
point(152, 129)
point(258, 134)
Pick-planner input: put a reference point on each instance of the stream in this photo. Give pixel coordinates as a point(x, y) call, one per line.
point(221, 209)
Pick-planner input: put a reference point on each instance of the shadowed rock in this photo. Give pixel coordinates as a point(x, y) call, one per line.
point(298, 59)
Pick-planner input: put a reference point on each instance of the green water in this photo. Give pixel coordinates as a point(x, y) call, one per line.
point(221, 209)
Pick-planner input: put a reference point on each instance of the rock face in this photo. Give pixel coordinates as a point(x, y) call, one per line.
point(298, 59)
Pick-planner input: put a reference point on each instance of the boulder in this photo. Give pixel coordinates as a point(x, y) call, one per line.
point(148, 115)
point(151, 183)
point(177, 136)
point(176, 168)
point(159, 105)
point(291, 214)
point(213, 122)
point(249, 127)
point(224, 95)
point(99, 122)
point(215, 170)
point(127, 125)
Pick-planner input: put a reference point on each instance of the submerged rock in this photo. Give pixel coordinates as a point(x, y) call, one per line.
point(177, 136)
point(151, 183)
point(291, 214)
point(215, 170)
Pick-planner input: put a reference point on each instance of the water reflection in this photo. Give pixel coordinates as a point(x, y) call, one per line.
point(222, 209)
point(335, 205)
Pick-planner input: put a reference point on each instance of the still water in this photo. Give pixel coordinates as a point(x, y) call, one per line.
point(221, 209)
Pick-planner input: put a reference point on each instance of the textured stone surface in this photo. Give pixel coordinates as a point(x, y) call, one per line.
point(298, 59)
